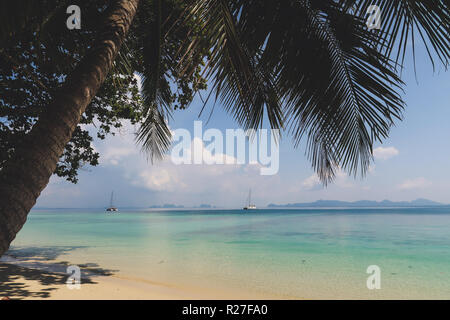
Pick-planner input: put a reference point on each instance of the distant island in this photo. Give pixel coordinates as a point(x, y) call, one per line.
point(166, 206)
point(174, 206)
point(206, 206)
point(361, 203)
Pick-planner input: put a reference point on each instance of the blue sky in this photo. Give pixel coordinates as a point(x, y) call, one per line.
point(412, 163)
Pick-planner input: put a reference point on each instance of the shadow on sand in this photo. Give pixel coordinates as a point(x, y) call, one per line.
point(31, 264)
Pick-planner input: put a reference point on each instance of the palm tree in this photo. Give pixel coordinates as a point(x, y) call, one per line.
point(24, 177)
point(312, 68)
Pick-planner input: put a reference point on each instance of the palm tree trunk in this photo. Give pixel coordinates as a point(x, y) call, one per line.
point(24, 177)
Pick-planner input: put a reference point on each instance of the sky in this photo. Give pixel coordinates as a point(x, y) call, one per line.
point(412, 163)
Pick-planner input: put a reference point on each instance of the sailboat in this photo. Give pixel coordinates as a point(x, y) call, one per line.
point(111, 207)
point(249, 205)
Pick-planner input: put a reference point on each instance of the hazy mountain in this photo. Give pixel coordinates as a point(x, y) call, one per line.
point(166, 206)
point(205, 206)
point(361, 203)
point(174, 206)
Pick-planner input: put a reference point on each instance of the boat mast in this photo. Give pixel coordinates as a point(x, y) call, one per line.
point(111, 202)
point(249, 197)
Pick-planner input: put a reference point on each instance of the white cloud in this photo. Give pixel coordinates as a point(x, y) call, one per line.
point(342, 180)
point(57, 192)
point(312, 183)
point(124, 168)
point(198, 151)
point(385, 153)
point(158, 180)
point(114, 155)
point(219, 184)
point(417, 183)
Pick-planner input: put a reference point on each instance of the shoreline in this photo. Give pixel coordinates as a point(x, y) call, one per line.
point(44, 280)
point(227, 256)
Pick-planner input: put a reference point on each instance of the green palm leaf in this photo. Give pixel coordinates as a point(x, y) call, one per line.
point(310, 62)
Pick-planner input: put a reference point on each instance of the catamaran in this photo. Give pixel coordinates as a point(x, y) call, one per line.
point(249, 205)
point(111, 206)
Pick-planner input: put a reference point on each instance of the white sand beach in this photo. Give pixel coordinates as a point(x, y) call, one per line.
point(20, 281)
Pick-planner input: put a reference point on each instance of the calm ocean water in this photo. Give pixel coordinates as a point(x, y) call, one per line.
point(300, 253)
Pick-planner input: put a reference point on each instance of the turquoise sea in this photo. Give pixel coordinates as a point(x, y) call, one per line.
point(286, 253)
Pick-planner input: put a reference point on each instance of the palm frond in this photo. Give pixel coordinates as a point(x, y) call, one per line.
point(356, 106)
point(312, 67)
point(245, 89)
point(154, 133)
point(311, 62)
point(403, 20)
